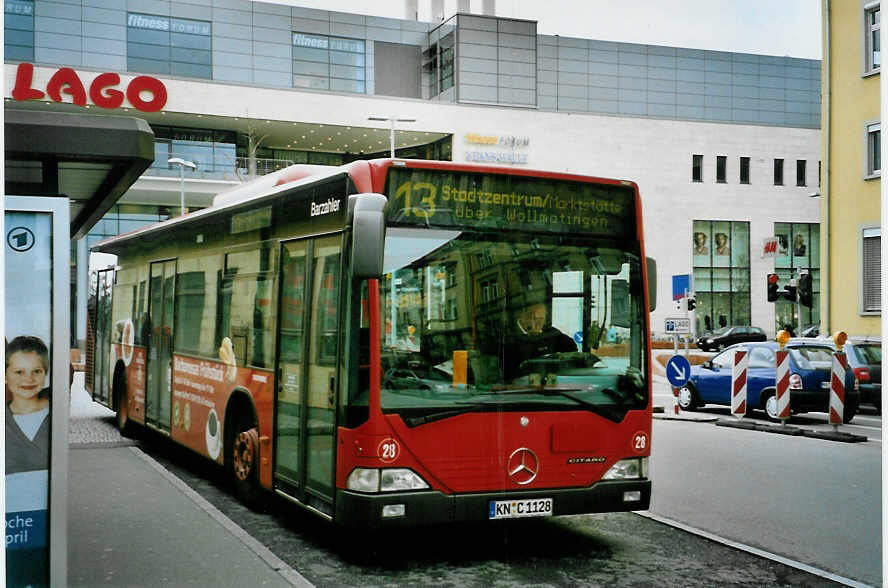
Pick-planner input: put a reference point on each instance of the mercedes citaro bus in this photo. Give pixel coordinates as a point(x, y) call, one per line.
point(345, 338)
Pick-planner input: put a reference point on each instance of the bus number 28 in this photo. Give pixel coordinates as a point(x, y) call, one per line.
point(388, 450)
point(640, 442)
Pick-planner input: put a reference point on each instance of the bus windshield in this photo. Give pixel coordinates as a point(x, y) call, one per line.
point(478, 321)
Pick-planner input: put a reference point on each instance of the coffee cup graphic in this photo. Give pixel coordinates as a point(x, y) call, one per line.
point(213, 434)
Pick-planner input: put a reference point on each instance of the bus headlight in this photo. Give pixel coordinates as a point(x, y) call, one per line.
point(363, 480)
point(628, 469)
point(384, 480)
point(394, 480)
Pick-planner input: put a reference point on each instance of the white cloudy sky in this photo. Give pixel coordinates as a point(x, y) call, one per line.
point(770, 27)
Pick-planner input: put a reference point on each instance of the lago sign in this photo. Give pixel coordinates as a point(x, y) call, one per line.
point(143, 93)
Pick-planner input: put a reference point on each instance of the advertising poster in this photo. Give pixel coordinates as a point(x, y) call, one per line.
point(28, 299)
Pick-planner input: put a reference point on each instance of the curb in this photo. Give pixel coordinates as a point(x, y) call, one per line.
point(835, 436)
point(686, 418)
point(793, 431)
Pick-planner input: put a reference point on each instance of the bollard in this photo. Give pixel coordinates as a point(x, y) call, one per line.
point(837, 381)
point(783, 410)
point(675, 407)
point(782, 379)
point(738, 383)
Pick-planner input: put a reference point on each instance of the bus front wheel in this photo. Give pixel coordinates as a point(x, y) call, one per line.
point(244, 460)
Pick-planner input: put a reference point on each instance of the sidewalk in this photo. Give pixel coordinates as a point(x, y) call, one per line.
point(132, 523)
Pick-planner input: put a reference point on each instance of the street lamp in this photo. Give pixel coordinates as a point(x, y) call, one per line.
point(182, 165)
point(391, 120)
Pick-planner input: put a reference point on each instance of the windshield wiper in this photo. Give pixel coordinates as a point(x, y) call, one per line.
point(614, 413)
point(564, 392)
point(444, 414)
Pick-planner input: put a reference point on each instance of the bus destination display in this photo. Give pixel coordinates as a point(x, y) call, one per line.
point(447, 198)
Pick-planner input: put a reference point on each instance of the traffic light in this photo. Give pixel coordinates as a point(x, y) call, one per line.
point(805, 296)
point(772, 288)
point(789, 293)
point(692, 303)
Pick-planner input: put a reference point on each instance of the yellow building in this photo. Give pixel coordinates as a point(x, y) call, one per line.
point(850, 188)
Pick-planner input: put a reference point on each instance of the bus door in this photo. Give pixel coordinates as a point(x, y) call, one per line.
point(101, 375)
point(160, 344)
point(307, 371)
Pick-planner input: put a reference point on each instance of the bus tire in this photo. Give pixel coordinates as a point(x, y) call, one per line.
point(243, 457)
point(121, 400)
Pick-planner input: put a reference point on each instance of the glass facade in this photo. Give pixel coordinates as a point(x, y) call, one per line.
point(163, 45)
point(18, 30)
point(720, 252)
point(321, 62)
point(798, 247)
point(125, 217)
point(211, 150)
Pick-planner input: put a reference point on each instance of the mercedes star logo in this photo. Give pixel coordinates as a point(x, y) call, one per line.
point(523, 466)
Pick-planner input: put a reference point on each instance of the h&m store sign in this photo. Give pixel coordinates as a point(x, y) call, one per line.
point(144, 93)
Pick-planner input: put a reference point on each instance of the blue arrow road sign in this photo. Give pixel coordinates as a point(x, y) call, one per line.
point(678, 370)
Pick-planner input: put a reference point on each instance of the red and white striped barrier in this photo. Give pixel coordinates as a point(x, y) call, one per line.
point(675, 408)
point(837, 388)
point(783, 411)
point(738, 383)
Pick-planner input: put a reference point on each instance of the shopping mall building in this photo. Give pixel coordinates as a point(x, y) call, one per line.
point(724, 147)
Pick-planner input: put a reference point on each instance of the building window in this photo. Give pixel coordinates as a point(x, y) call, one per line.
point(163, 45)
point(18, 30)
point(721, 169)
point(744, 170)
point(439, 58)
point(800, 172)
point(720, 251)
point(778, 172)
point(489, 290)
point(697, 168)
point(798, 248)
point(874, 149)
point(873, 45)
point(328, 63)
point(212, 151)
point(871, 274)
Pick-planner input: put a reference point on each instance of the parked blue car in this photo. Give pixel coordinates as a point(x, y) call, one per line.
point(810, 368)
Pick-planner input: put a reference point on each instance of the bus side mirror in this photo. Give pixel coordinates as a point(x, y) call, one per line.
point(368, 234)
point(652, 283)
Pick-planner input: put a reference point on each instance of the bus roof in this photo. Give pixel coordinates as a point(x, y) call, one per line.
point(251, 192)
point(362, 173)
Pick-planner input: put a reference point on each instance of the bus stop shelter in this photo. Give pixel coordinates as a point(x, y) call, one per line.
point(64, 171)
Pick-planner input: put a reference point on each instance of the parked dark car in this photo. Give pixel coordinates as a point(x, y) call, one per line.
point(725, 336)
point(865, 359)
point(810, 368)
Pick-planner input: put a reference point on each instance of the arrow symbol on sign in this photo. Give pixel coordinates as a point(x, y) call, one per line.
point(679, 371)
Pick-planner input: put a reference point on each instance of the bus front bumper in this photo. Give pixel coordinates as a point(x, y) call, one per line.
point(432, 507)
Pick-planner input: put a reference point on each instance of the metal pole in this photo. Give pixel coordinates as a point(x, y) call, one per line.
point(392, 138)
point(182, 188)
point(688, 317)
point(799, 302)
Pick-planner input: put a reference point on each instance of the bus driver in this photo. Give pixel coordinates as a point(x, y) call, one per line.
point(531, 337)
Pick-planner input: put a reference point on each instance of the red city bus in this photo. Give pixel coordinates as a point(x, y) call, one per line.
point(394, 342)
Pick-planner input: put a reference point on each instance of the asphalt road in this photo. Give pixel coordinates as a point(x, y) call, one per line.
point(811, 500)
point(623, 549)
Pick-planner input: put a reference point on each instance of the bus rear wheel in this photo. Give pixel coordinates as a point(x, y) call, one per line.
point(244, 460)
